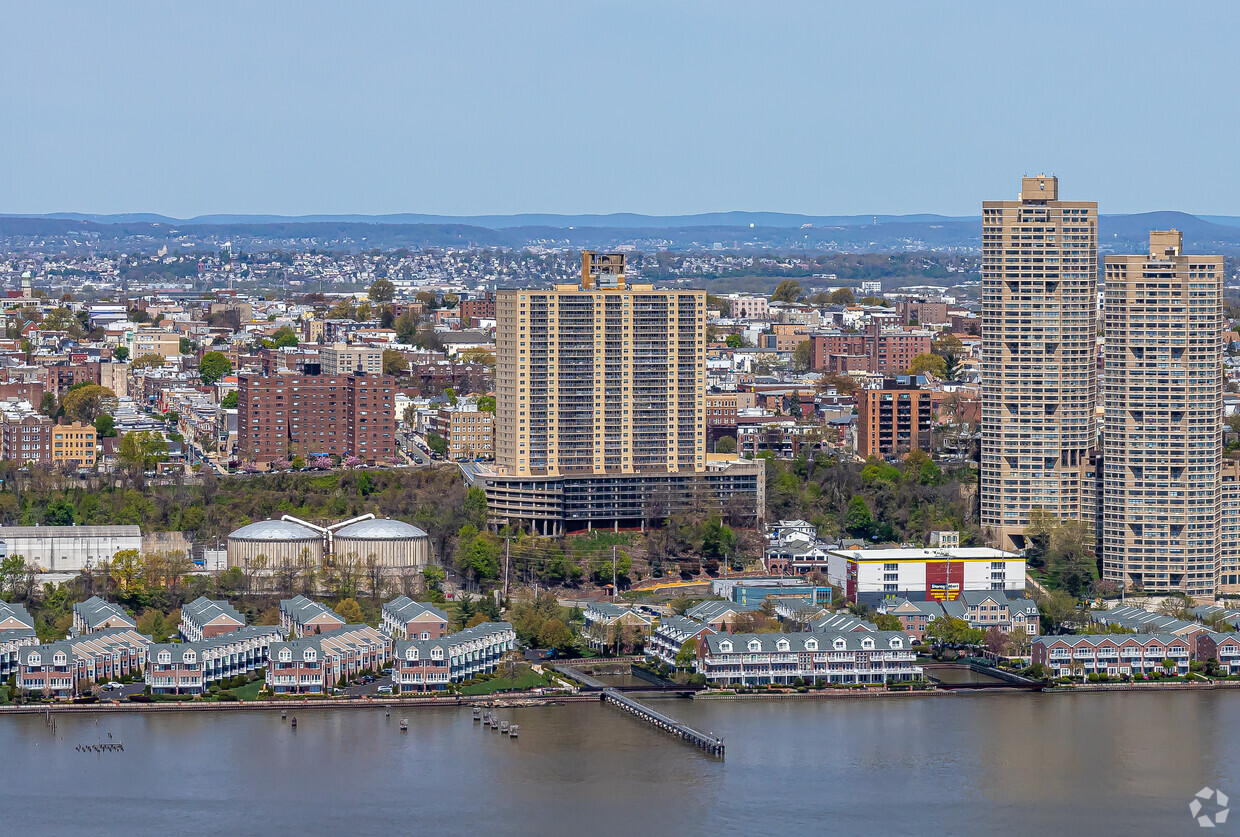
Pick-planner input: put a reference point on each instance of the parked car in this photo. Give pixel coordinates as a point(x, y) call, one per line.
point(385, 690)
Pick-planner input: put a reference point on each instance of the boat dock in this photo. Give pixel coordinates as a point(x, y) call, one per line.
point(685, 733)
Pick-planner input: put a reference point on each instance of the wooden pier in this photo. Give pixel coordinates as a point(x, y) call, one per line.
point(712, 745)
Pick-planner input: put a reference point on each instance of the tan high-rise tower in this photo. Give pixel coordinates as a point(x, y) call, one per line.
point(604, 377)
point(1163, 394)
point(1039, 357)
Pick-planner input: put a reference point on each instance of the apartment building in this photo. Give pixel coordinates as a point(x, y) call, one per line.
point(286, 414)
point(429, 665)
point(74, 445)
point(1210, 645)
point(1163, 396)
point(481, 308)
point(26, 438)
point(601, 377)
point(870, 576)
point(403, 618)
point(317, 662)
point(748, 307)
point(16, 632)
point(154, 341)
point(1229, 527)
point(601, 407)
point(603, 621)
point(346, 359)
point(205, 618)
point(1113, 654)
point(921, 312)
point(468, 431)
point(720, 415)
point(849, 657)
point(1039, 357)
point(877, 350)
point(894, 419)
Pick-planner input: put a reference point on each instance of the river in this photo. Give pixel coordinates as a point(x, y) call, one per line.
point(1010, 764)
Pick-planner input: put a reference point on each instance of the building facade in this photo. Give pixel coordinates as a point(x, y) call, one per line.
point(1163, 396)
point(869, 576)
point(468, 431)
point(74, 445)
point(876, 350)
point(429, 665)
point(850, 657)
point(1113, 654)
point(346, 359)
point(1039, 357)
point(894, 419)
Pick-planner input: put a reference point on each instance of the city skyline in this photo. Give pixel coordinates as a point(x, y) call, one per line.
point(308, 110)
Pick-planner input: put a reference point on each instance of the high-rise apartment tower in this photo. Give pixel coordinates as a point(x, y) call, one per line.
point(1039, 357)
point(604, 377)
point(1163, 396)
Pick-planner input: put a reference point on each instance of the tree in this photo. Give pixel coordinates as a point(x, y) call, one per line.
point(121, 354)
point(394, 362)
point(687, 653)
point(62, 319)
point(229, 401)
point(928, 363)
point(843, 296)
point(555, 634)
point(478, 355)
point(437, 443)
point(734, 341)
point(888, 622)
point(105, 426)
point(486, 403)
point(381, 291)
point(1058, 610)
point(876, 301)
point(59, 512)
point(350, 611)
point(149, 361)
point(726, 444)
point(142, 450)
point(213, 366)
point(284, 337)
point(85, 404)
point(12, 572)
point(48, 405)
point(859, 518)
point(801, 355)
point(788, 290)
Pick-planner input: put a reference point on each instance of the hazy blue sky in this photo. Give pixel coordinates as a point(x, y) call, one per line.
point(658, 107)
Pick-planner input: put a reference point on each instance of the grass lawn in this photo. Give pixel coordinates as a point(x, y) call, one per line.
point(528, 680)
point(4, 695)
point(249, 691)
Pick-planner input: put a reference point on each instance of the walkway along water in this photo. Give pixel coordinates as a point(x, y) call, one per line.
point(684, 732)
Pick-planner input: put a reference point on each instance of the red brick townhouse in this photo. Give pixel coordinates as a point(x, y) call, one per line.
point(316, 663)
point(189, 668)
point(403, 618)
point(429, 665)
point(69, 668)
point(1224, 648)
point(1112, 654)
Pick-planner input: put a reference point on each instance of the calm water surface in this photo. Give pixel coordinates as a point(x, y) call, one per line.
point(992, 764)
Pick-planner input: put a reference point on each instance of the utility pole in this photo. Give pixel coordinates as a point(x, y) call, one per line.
point(506, 541)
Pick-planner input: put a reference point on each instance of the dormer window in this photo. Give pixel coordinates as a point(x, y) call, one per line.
point(725, 647)
point(165, 657)
point(411, 654)
point(782, 645)
point(896, 642)
point(285, 656)
point(309, 655)
point(436, 653)
point(755, 645)
point(60, 659)
point(867, 643)
point(839, 644)
point(811, 645)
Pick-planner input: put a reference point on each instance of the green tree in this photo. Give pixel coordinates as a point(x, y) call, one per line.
point(121, 354)
point(555, 634)
point(437, 443)
point(229, 401)
point(284, 337)
point(734, 341)
point(85, 404)
point(801, 355)
point(788, 290)
point(12, 573)
point(859, 518)
point(59, 512)
point(213, 367)
point(148, 361)
point(687, 653)
point(843, 296)
point(928, 364)
point(105, 426)
point(394, 362)
point(725, 444)
point(142, 450)
point(486, 403)
point(382, 291)
point(888, 622)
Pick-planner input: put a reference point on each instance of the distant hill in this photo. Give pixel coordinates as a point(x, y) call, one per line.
point(709, 231)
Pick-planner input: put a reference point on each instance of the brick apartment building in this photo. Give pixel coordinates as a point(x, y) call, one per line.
point(473, 310)
point(876, 350)
point(894, 419)
point(284, 415)
point(26, 438)
point(469, 432)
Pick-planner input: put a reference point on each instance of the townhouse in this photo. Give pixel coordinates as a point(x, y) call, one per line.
point(987, 610)
point(1210, 645)
point(672, 634)
point(66, 669)
point(720, 616)
point(190, 668)
point(429, 665)
point(317, 662)
point(915, 617)
point(403, 618)
point(300, 616)
point(604, 618)
point(1145, 622)
point(1112, 654)
point(205, 618)
point(852, 657)
point(16, 632)
point(96, 614)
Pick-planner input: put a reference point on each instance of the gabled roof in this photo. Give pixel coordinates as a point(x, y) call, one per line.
point(828, 641)
point(302, 610)
point(15, 611)
point(405, 609)
point(710, 611)
point(95, 611)
point(202, 611)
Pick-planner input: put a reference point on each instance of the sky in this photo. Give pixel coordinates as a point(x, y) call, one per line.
point(659, 107)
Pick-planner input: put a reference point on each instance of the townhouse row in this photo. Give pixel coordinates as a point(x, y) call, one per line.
point(1116, 655)
point(984, 610)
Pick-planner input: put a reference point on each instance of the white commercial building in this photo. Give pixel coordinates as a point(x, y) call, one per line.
point(869, 576)
point(68, 549)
